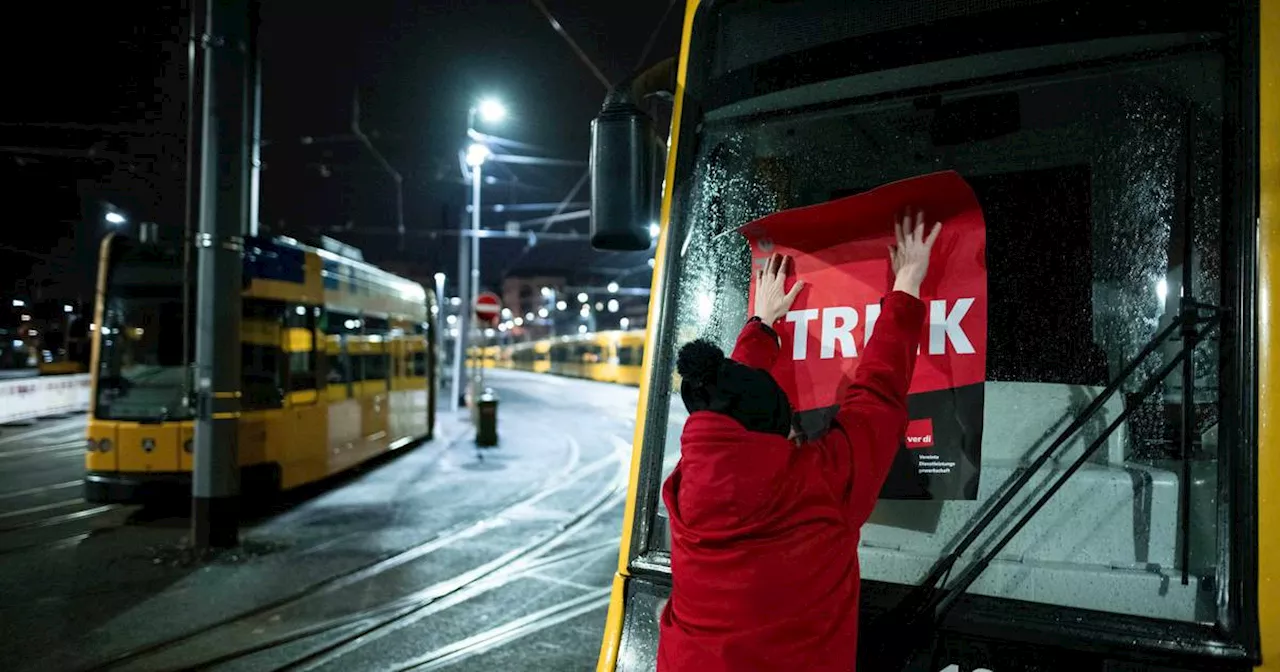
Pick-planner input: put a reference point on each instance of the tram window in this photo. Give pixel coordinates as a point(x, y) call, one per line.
point(260, 367)
point(302, 371)
point(630, 355)
point(1081, 197)
point(375, 367)
point(339, 370)
point(342, 323)
point(376, 325)
point(418, 368)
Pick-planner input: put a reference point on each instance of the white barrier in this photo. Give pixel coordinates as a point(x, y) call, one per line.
point(30, 398)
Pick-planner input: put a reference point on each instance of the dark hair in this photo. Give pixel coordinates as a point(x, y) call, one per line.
point(699, 362)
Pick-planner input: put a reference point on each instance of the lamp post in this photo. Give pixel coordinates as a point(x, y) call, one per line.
point(489, 111)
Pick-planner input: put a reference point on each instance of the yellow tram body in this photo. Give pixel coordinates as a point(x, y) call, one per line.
point(604, 356)
point(338, 361)
point(880, 79)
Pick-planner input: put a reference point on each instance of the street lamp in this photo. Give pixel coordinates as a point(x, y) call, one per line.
point(115, 218)
point(490, 111)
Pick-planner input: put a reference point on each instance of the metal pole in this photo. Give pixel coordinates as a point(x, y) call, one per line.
point(459, 350)
point(223, 214)
point(475, 267)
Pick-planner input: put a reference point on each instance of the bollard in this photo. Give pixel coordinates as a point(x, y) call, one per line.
point(487, 419)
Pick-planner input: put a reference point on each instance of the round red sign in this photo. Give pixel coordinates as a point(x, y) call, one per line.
point(488, 307)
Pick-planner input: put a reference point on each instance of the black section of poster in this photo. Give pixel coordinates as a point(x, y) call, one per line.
point(949, 469)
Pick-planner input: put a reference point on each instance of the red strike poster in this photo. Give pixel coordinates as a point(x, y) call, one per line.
point(840, 250)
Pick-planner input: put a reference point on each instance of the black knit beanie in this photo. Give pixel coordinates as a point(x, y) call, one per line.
point(712, 382)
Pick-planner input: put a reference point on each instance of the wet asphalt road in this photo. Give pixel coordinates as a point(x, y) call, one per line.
point(433, 559)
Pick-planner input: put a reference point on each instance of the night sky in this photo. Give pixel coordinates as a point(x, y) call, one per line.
point(95, 108)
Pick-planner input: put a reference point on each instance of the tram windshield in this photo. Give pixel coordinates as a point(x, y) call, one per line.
point(1075, 153)
point(142, 372)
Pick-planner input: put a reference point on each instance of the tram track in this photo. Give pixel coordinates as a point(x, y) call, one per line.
point(558, 482)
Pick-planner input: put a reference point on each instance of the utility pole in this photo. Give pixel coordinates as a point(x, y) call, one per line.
point(223, 55)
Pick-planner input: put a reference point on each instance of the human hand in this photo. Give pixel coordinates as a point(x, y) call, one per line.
point(910, 257)
point(772, 299)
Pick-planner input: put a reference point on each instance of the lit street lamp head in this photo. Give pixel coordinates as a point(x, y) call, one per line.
point(115, 218)
point(492, 111)
point(477, 154)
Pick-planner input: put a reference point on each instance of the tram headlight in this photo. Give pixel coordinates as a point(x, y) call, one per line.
point(104, 445)
point(91, 445)
point(188, 446)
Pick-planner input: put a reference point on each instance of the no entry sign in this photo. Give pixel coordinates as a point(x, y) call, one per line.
point(488, 307)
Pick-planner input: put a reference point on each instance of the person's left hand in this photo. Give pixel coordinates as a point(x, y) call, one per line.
point(772, 299)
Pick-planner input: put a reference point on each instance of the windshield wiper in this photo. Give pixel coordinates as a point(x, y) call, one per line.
point(928, 603)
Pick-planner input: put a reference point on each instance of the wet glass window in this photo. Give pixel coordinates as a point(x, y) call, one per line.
point(1090, 181)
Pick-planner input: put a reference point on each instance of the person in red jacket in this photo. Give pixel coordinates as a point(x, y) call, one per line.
point(765, 528)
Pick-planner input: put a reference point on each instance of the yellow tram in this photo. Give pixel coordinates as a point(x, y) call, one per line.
point(605, 356)
point(338, 367)
point(1127, 159)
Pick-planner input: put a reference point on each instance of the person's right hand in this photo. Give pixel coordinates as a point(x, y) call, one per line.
point(910, 257)
point(772, 298)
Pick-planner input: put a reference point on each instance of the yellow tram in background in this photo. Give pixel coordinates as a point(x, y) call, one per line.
point(605, 356)
point(338, 366)
point(1127, 159)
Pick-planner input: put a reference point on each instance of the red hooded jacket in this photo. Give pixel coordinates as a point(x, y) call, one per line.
point(764, 534)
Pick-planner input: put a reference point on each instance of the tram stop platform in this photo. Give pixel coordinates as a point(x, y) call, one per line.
point(429, 559)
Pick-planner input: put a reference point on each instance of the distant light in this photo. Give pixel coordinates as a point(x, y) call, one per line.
point(1162, 289)
point(613, 287)
point(705, 305)
point(506, 313)
point(624, 323)
point(18, 303)
point(546, 291)
point(488, 333)
point(651, 263)
point(451, 320)
point(542, 312)
point(440, 278)
point(93, 326)
point(115, 218)
point(489, 179)
point(351, 324)
point(654, 230)
point(599, 305)
point(561, 305)
point(586, 310)
point(613, 305)
point(519, 321)
point(17, 343)
point(26, 317)
point(582, 297)
point(35, 332)
point(502, 327)
point(582, 328)
point(528, 316)
point(477, 154)
point(68, 308)
point(455, 301)
point(492, 111)
point(297, 309)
